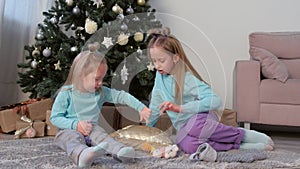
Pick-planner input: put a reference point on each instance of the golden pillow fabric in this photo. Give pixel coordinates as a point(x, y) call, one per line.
point(136, 135)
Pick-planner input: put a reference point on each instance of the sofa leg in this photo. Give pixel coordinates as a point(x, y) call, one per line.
point(247, 125)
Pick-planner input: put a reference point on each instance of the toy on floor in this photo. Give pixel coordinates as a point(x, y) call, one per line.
point(161, 152)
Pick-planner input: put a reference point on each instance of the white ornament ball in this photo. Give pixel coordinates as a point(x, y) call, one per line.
point(124, 27)
point(73, 26)
point(39, 36)
point(130, 10)
point(76, 10)
point(34, 64)
point(115, 8)
point(47, 52)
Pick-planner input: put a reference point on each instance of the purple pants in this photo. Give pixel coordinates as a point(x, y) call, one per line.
point(205, 127)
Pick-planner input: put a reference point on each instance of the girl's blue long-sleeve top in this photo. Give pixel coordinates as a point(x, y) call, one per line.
point(71, 106)
point(197, 97)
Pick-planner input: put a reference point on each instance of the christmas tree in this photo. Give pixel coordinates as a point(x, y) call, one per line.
point(120, 26)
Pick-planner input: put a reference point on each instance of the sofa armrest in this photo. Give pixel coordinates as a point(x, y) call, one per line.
point(246, 96)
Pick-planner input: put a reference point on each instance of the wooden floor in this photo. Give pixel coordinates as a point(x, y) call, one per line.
point(284, 138)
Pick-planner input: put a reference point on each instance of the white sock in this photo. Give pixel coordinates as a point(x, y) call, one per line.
point(90, 154)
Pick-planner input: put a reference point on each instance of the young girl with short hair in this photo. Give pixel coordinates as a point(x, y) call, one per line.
point(76, 111)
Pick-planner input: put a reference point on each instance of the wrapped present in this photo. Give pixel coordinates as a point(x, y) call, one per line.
point(227, 117)
point(8, 120)
point(35, 109)
point(51, 130)
point(27, 128)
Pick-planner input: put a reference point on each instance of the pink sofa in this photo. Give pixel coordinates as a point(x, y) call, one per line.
point(267, 87)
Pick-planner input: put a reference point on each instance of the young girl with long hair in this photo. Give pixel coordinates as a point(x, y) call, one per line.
point(189, 101)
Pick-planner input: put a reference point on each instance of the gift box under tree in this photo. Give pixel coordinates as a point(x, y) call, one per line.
point(35, 109)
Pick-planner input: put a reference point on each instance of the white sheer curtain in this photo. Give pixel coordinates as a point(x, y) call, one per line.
point(18, 24)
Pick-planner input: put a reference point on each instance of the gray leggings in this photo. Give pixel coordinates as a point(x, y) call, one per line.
point(73, 142)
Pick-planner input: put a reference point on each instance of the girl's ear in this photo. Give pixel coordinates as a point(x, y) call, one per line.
point(175, 58)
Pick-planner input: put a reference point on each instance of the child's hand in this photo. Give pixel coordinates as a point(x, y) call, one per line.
point(84, 127)
point(145, 114)
point(169, 106)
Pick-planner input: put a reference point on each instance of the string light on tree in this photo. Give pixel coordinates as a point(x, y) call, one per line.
point(74, 49)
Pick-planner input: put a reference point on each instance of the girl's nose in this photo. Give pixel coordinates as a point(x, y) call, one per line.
point(156, 65)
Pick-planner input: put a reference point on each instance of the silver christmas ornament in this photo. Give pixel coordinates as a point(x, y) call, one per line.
point(47, 52)
point(124, 27)
point(76, 10)
point(34, 64)
point(129, 10)
point(73, 26)
point(39, 36)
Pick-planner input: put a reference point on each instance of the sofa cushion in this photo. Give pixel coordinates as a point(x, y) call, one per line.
point(281, 44)
point(273, 91)
point(293, 66)
point(271, 66)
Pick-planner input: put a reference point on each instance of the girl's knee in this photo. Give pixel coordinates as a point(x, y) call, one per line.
point(188, 146)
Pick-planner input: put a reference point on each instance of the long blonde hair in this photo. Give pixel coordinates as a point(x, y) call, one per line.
point(161, 38)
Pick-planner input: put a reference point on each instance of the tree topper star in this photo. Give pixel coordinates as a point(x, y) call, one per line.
point(107, 42)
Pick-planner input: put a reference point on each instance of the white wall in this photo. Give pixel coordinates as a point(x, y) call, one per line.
point(215, 33)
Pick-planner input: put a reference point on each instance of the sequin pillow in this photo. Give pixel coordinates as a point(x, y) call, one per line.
point(271, 66)
point(136, 135)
